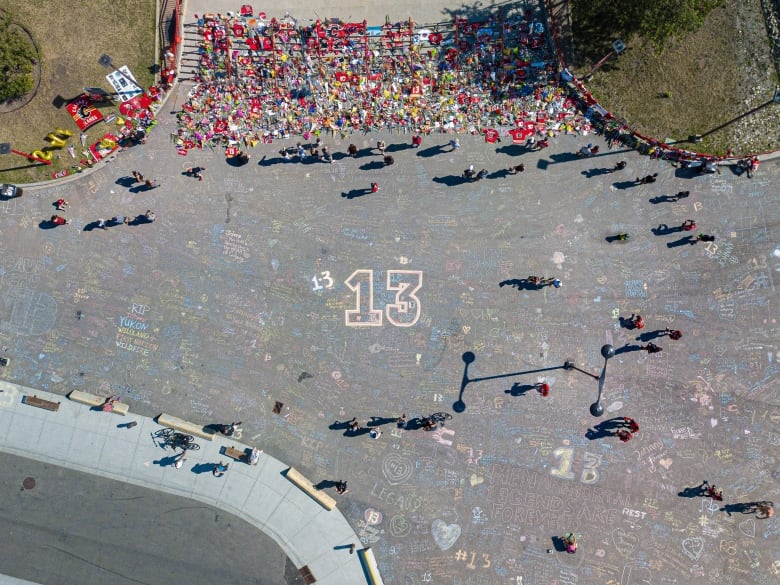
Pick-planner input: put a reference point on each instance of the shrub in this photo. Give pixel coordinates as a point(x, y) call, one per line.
point(17, 58)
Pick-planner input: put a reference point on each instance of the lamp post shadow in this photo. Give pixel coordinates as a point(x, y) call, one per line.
point(596, 409)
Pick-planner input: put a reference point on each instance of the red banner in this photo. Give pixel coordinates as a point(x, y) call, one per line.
point(84, 113)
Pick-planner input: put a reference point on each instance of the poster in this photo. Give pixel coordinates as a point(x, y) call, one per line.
point(83, 112)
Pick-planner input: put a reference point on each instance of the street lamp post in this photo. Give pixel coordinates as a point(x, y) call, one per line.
point(607, 351)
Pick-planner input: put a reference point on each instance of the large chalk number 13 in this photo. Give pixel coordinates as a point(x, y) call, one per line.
point(404, 312)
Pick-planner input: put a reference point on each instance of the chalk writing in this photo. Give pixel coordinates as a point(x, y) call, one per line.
point(404, 312)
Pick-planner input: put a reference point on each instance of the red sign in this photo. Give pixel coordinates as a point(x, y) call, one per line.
point(83, 112)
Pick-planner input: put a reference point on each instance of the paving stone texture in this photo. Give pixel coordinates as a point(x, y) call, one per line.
point(263, 294)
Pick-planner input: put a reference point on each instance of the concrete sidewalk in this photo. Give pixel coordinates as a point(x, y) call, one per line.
point(100, 443)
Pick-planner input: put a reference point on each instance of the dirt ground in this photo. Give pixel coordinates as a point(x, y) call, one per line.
point(71, 37)
point(703, 83)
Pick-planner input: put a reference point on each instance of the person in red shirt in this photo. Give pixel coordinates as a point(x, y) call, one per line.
point(638, 321)
point(674, 334)
point(543, 388)
point(632, 425)
point(61, 204)
point(59, 220)
point(624, 435)
point(689, 225)
point(374, 187)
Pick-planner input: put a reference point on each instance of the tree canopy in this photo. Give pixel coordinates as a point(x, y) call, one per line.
point(17, 58)
point(603, 21)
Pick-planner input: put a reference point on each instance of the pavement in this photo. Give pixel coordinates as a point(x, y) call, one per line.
point(85, 528)
point(82, 439)
point(265, 294)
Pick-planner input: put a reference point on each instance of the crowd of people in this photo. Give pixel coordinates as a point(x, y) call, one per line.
point(262, 80)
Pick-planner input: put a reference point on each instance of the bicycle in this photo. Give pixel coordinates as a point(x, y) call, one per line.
point(440, 417)
point(171, 438)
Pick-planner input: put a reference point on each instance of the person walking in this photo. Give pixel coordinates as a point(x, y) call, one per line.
point(401, 421)
point(570, 542)
point(455, 144)
point(624, 435)
point(178, 463)
point(674, 334)
point(374, 187)
point(150, 216)
point(220, 469)
point(341, 487)
point(354, 425)
point(705, 238)
point(689, 225)
point(59, 220)
point(651, 348)
point(638, 322)
point(543, 388)
point(375, 433)
point(380, 145)
point(61, 204)
point(619, 166)
point(352, 150)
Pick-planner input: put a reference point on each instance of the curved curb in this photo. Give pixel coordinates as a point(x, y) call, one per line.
point(92, 442)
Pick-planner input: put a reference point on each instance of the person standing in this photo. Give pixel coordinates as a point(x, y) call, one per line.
point(219, 469)
point(374, 187)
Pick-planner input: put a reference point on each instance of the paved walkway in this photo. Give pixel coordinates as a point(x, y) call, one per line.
point(100, 443)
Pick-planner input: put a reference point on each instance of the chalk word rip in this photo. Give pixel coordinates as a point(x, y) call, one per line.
point(404, 312)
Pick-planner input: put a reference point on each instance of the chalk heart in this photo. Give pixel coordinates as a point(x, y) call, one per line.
point(444, 535)
point(602, 280)
point(476, 479)
point(466, 329)
point(665, 463)
point(748, 527)
point(693, 547)
point(624, 541)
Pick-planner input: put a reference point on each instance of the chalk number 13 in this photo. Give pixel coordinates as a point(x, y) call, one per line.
point(404, 312)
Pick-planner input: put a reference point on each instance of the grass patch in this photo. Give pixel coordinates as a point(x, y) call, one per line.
point(71, 36)
point(693, 84)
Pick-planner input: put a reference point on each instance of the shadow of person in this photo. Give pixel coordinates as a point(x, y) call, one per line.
point(627, 348)
point(513, 149)
point(743, 508)
point(47, 224)
point(650, 335)
point(93, 225)
point(664, 230)
point(203, 468)
point(339, 425)
point(138, 220)
point(606, 428)
point(372, 166)
point(662, 199)
point(378, 421)
point(499, 174)
point(326, 483)
point(590, 173)
point(451, 180)
point(693, 491)
point(414, 424)
point(399, 147)
point(627, 323)
point(559, 543)
point(356, 193)
point(430, 151)
point(166, 461)
point(624, 184)
point(356, 432)
point(126, 181)
point(518, 389)
point(681, 242)
point(520, 284)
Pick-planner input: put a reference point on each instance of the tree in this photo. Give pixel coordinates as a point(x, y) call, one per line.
point(599, 22)
point(17, 58)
